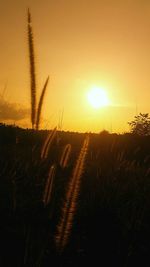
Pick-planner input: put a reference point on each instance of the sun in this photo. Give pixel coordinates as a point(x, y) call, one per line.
point(97, 97)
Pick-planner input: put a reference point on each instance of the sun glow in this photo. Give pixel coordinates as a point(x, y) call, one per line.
point(97, 97)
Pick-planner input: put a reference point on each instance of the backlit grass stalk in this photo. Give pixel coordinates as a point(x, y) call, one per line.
point(41, 103)
point(49, 185)
point(32, 71)
point(69, 208)
point(65, 156)
point(47, 143)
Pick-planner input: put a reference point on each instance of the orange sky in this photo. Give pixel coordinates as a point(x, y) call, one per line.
point(79, 44)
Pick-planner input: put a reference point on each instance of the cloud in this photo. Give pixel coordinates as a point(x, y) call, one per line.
point(12, 111)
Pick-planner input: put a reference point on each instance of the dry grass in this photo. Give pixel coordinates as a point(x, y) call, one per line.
point(35, 112)
point(32, 71)
point(49, 185)
point(69, 208)
point(65, 156)
point(47, 143)
point(41, 103)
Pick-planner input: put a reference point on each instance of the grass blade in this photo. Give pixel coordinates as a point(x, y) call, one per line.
point(32, 71)
point(41, 103)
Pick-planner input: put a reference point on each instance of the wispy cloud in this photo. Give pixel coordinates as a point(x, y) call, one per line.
point(12, 111)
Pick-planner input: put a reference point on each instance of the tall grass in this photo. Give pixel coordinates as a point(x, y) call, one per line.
point(65, 156)
point(41, 103)
point(32, 70)
point(35, 111)
point(47, 143)
point(49, 185)
point(69, 208)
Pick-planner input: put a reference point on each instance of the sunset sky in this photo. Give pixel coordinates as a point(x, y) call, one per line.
point(80, 44)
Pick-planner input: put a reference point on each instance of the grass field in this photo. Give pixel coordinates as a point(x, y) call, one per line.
point(86, 201)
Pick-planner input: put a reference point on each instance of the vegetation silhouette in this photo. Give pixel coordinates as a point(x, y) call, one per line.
point(112, 208)
point(102, 187)
point(35, 111)
point(141, 124)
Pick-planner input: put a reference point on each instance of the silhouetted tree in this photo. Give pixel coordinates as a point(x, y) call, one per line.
point(104, 133)
point(141, 124)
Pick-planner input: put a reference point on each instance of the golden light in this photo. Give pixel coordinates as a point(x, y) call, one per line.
point(97, 97)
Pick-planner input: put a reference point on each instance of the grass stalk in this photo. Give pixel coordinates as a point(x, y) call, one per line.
point(47, 143)
point(69, 208)
point(49, 185)
point(65, 156)
point(32, 71)
point(41, 103)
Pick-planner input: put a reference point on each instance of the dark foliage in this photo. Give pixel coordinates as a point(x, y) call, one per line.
point(111, 226)
point(141, 124)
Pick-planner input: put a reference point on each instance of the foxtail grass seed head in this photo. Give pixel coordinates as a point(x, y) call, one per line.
point(49, 185)
point(65, 156)
point(41, 103)
point(64, 227)
point(32, 71)
point(47, 143)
